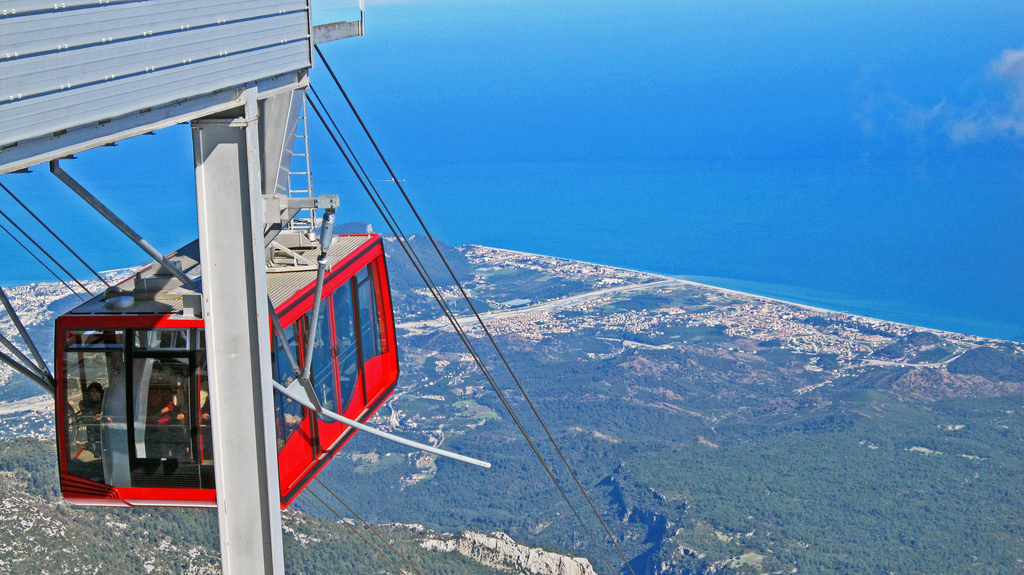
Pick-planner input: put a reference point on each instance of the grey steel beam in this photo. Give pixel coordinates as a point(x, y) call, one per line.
point(31, 376)
point(11, 313)
point(337, 31)
point(279, 115)
point(228, 191)
point(21, 357)
point(326, 233)
point(39, 374)
point(295, 393)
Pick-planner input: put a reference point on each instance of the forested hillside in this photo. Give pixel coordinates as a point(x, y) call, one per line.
point(39, 533)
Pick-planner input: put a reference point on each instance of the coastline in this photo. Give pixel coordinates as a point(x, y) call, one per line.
point(761, 296)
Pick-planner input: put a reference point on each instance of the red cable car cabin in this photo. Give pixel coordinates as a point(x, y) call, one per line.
point(132, 397)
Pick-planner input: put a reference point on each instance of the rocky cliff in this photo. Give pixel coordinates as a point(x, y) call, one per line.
point(500, 551)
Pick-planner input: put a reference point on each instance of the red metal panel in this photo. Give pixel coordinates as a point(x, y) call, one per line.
point(289, 496)
point(383, 287)
point(380, 375)
point(99, 322)
point(168, 497)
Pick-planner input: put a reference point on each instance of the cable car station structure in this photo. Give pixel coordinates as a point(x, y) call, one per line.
point(229, 372)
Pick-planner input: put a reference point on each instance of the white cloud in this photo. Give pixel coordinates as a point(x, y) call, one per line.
point(919, 118)
point(1010, 65)
point(989, 120)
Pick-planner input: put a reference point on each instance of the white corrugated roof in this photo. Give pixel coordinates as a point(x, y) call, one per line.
point(167, 298)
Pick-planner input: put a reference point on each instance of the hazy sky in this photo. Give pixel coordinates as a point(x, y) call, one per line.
point(699, 79)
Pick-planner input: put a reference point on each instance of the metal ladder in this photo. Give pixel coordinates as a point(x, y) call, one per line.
point(300, 166)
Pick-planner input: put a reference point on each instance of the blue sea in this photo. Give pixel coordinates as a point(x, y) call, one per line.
point(821, 153)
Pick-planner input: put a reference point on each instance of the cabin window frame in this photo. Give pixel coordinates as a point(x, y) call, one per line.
point(121, 465)
point(178, 463)
point(114, 361)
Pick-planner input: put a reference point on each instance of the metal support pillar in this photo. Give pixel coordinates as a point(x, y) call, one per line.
point(228, 192)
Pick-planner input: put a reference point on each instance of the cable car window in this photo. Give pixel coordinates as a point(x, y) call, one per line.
point(287, 412)
point(96, 439)
point(322, 372)
point(345, 342)
point(369, 320)
point(162, 408)
point(161, 339)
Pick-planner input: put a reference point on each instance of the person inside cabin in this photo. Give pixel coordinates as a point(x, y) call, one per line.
point(161, 405)
point(205, 432)
point(90, 410)
point(204, 408)
point(162, 439)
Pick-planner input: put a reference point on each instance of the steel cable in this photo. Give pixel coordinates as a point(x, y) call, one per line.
point(483, 325)
point(54, 234)
point(34, 256)
point(431, 286)
point(40, 248)
point(368, 526)
point(354, 530)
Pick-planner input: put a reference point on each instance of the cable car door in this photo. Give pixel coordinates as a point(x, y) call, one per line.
point(163, 436)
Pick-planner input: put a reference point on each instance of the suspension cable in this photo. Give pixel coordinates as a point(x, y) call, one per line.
point(351, 152)
point(431, 286)
point(54, 234)
point(36, 244)
point(396, 229)
point(425, 276)
point(354, 530)
point(368, 526)
point(472, 307)
point(35, 257)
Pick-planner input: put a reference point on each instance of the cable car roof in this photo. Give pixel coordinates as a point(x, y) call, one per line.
point(153, 292)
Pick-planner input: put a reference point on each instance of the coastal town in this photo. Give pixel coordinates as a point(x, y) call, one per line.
point(749, 320)
point(624, 309)
point(616, 314)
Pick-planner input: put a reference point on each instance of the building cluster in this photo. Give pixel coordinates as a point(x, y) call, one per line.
point(34, 302)
point(535, 326)
point(36, 422)
point(487, 259)
point(845, 335)
point(37, 305)
point(763, 320)
point(848, 337)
